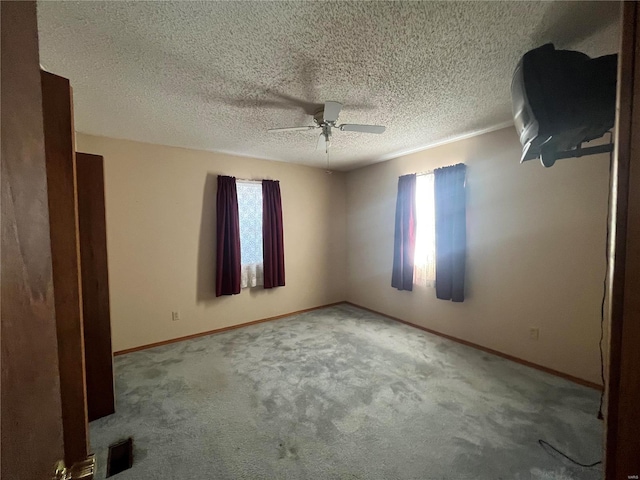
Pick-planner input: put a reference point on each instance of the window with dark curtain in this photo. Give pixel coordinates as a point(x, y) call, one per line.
point(405, 234)
point(451, 231)
point(228, 238)
point(272, 234)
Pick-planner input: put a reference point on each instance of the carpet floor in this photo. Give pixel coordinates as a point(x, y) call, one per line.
point(341, 393)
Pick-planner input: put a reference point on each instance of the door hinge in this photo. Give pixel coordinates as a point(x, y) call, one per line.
point(83, 470)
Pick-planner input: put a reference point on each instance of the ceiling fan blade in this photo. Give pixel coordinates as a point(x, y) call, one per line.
point(292, 129)
point(322, 143)
point(351, 127)
point(331, 111)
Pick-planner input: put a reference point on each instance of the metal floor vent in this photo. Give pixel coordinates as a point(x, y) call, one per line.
point(120, 457)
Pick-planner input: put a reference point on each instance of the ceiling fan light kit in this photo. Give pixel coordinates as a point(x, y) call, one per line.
point(326, 119)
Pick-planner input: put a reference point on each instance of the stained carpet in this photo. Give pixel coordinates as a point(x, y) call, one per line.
point(341, 393)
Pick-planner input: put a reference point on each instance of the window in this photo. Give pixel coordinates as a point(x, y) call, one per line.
point(424, 273)
point(250, 213)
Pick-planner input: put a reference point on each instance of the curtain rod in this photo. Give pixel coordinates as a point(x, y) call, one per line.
point(429, 172)
point(246, 180)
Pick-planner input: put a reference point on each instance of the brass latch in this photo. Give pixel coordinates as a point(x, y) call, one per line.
point(83, 470)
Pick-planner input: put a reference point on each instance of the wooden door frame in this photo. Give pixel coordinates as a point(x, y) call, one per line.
point(622, 427)
point(44, 416)
point(59, 139)
point(31, 426)
point(95, 285)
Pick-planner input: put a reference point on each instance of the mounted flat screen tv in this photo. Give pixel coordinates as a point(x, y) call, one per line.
point(561, 99)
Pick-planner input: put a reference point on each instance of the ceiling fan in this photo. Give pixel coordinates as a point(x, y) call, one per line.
point(326, 120)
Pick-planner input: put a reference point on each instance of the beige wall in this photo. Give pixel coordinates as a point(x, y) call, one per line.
point(160, 204)
point(536, 250)
point(535, 246)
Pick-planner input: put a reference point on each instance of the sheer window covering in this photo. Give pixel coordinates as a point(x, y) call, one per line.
point(250, 213)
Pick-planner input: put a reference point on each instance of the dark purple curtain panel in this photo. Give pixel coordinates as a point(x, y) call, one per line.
point(272, 234)
point(228, 238)
point(451, 231)
point(404, 244)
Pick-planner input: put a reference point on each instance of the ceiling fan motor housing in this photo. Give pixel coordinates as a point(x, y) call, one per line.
point(318, 117)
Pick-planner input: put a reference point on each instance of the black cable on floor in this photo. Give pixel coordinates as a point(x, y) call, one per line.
point(586, 465)
point(604, 286)
point(604, 297)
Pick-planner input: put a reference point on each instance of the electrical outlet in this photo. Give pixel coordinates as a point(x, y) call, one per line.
point(534, 333)
point(175, 316)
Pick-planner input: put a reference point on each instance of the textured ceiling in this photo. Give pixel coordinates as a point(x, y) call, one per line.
point(217, 75)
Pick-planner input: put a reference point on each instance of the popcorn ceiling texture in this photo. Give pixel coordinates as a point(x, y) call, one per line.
point(217, 75)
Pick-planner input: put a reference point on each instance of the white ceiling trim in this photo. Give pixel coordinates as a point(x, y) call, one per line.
point(384, 158)
point(455, 138)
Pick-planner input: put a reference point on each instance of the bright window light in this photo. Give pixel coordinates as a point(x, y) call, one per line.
point(424, 273)
point(250, 213)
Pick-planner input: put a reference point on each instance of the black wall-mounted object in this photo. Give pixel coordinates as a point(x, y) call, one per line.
point(561, 99)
